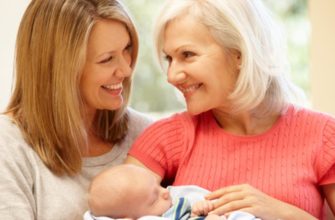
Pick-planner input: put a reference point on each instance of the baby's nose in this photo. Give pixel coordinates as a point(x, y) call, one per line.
point(165, 193)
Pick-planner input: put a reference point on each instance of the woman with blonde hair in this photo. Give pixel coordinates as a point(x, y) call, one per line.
point(67, 118)
point(242, 137)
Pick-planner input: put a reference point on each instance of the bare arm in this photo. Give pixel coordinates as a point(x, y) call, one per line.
point(132, 160)
point(329, 192)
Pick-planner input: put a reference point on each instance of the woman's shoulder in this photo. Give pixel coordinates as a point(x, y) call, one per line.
point(137, 123)
point(10, 135)
point(313, 123)
point(139, 119)
point(13, 145)
point(310, 115)
point(9, 131)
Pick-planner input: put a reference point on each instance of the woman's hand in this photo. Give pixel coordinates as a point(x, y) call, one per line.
point(249, 199)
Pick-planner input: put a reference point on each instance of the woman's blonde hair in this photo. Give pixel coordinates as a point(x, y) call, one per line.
point(245, 26)
point(50, 55)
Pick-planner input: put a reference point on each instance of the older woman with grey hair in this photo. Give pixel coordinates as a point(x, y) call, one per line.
point(243, 135)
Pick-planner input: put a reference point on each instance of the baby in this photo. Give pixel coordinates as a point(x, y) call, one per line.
point(129, 191)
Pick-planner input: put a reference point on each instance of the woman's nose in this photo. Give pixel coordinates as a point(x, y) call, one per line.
point(124, 69)
point(176, 75)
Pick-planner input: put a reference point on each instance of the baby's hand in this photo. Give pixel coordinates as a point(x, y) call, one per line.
point(202, 208)
point(215, 217)
point(124, 219)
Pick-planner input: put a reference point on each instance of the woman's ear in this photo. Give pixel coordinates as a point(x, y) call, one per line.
point(236, 59)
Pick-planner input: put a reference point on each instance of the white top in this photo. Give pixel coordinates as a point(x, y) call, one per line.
point(30, 191)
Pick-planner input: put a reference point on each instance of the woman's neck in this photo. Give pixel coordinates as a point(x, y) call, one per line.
point(96, 146)
point(244, 123)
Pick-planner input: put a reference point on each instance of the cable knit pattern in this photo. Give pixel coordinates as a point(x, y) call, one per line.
point(290, 161)
point(326, 160)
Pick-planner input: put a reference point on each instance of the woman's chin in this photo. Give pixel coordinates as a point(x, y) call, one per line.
point(194, 111)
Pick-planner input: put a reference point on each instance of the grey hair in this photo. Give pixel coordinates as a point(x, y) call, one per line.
point(246, 26)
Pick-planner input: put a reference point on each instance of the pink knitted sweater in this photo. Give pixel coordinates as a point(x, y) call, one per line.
point(289, 162)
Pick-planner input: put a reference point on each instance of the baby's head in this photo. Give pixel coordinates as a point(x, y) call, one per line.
point(127, 191)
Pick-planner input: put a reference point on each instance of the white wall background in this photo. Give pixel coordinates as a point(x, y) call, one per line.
point(322, 57)
point(11, 12)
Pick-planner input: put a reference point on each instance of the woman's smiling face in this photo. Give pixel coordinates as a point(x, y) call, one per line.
point(107, 66)
point(198, 66)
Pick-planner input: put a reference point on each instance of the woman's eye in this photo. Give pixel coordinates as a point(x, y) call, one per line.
point(108, 59)
point(187, 54)
point(168, 58)
point(129, 47)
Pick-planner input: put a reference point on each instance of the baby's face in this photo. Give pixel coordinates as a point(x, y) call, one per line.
point(152, 199)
